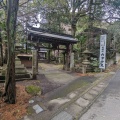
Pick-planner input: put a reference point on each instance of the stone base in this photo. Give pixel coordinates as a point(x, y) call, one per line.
point(87, 68)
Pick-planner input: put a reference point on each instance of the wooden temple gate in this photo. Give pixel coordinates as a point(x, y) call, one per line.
point(39, 36)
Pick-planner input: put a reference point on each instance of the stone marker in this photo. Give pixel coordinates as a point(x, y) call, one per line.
point(37, 108)
point(34, 63)
point(72, 61)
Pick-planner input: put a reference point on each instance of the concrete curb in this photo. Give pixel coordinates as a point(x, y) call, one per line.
point(85, 110)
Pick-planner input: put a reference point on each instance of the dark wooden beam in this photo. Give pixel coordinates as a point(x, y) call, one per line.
point(52, 48)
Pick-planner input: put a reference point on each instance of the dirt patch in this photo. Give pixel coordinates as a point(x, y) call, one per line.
point(46, 85)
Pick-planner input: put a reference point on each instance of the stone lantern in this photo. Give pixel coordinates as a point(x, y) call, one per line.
point(86, 62)
point(18, 48)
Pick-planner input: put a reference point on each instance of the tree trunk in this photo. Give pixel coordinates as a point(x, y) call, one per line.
point(10, 90)
point(73, 29)
point(1, 51)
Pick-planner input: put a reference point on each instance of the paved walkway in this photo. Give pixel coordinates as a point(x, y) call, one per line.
point(55, 73)
point(107, 107)
point(71, 106)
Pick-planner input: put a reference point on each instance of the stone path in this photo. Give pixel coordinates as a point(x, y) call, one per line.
point(55, 73)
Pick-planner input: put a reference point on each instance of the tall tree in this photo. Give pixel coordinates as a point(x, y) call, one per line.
point(10, 90)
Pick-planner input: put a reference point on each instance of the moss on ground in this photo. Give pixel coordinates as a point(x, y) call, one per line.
point(70, 88)
point(33, 90)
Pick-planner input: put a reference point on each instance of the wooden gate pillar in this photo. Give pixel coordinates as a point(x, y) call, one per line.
point(49, 53)
point(67, 60)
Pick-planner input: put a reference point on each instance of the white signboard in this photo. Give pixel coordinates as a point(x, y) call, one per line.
point(102, 51)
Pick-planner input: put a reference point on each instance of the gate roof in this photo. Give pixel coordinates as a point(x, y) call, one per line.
point(40, 35)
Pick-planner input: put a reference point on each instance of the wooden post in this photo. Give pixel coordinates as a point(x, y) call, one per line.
point(34, 64)
point(67, 58)
point(64, 61)
point(58, 60)
point(70, 52)
point(72, 61)
point(49, 53)
point(37, 58)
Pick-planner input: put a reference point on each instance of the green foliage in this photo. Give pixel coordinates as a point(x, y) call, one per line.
point(81, 38)
point(96, 69)
point(82, 24)
point(95, 63)
point(33, 90)
point(114, 28)
point(3, 25)
point(54, 15)
point(81, 42)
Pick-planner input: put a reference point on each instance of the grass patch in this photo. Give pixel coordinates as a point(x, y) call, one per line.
point(33, 90)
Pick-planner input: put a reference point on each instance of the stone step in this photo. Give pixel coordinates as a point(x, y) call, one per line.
point(3, 72)
point(19, 76)
point(19, 66)
point(17, 62)
point(17, 59)
point(20, 71)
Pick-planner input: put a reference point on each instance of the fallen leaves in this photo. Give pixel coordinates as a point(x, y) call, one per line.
point(18, 110)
